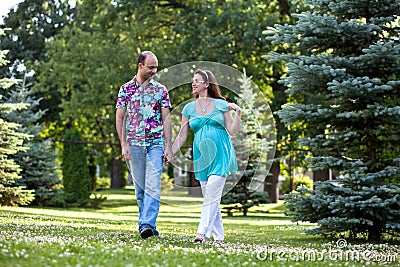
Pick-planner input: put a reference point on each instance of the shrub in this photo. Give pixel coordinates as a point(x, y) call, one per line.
point(167, 183)
point(299, 180)
point(102, 183)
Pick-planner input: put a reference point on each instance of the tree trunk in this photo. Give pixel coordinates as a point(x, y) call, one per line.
point(321, 175)
point(272, 181)
point(116, 181)
point(374, 234)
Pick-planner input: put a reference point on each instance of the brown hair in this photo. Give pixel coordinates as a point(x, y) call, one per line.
point(213, 87)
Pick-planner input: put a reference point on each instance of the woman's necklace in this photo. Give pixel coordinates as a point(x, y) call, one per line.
point(204, 109)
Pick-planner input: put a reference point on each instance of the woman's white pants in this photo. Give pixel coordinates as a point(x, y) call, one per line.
point(211, 218)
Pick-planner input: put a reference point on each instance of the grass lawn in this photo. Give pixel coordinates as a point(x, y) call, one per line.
point(108, 237)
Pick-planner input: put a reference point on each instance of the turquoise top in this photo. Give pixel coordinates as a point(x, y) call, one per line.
point(213, 152)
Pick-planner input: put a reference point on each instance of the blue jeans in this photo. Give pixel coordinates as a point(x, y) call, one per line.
point(146, 168)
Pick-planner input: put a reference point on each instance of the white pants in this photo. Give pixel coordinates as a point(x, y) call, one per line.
point(211, 218)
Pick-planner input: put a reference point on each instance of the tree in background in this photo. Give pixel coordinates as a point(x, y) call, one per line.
point(75, 171)
point(87, 78)
point(35, 23)
point(38, 161)
point(246, 189)
point(344, 86)
point(11, 139)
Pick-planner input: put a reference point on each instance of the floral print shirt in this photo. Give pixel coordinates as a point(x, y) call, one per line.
point(143, 105)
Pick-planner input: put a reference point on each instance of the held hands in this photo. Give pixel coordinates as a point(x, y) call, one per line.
point(168, 156)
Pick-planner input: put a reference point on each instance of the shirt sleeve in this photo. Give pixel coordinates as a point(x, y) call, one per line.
point(121, 99)
point(165, 102)
point(185, 111)
point(222, 105)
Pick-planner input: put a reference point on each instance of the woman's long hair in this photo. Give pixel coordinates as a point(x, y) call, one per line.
point(213, 87)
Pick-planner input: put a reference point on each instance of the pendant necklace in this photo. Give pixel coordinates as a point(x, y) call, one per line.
point(204, 109)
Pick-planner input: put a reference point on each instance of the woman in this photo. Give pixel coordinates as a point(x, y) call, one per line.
point(209, 116)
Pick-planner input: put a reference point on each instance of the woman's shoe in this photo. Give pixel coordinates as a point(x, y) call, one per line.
point(218, 242)
point(200, 238)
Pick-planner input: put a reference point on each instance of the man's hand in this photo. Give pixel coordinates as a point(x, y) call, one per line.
point(168, 156)
point(126, 154)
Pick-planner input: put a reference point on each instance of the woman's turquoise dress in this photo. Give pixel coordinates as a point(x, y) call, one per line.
point(213, 152)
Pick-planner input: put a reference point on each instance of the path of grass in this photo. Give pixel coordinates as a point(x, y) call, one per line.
point(108, 237)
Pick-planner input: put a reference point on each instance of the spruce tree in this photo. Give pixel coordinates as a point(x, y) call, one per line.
point(38, 162)
point(246, 188)
point(75, 171)
point(11, 139)
point(344, 83)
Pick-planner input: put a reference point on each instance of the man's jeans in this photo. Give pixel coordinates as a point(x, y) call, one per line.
point(146, 168)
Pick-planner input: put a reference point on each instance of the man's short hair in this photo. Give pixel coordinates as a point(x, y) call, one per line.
point(142, 57)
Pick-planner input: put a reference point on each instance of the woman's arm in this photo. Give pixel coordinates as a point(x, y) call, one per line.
point(182, 136)
point(232, 124)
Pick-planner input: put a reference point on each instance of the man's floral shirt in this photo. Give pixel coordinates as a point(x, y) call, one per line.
point(143, 123)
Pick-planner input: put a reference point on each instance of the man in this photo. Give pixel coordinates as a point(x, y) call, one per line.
point(144, 129)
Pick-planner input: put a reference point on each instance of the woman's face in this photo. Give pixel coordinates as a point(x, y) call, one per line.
point(199, 85)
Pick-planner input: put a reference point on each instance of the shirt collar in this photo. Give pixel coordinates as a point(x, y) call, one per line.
point(151, 82)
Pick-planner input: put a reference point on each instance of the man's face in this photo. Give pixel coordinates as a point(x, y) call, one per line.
point(149, 68)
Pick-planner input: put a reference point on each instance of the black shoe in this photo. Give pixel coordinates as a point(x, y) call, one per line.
point(146, 233)
point(156, 233)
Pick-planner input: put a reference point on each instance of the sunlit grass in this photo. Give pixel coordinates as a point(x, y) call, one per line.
point(108, 237)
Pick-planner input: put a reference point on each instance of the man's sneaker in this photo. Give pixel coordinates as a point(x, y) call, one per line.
point(146, 233)
point(156, 233)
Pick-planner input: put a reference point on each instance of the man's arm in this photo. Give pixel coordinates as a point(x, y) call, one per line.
point(119, 124)
point(167, 127)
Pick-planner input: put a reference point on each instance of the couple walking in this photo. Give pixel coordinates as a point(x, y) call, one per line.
point(143, 109)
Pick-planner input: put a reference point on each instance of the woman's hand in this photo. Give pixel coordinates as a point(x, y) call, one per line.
point(233, 106)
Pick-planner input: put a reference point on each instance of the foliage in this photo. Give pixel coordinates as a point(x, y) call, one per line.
point(344, 86)
point(102, 183)
point(11, 141)
point(39, 170)
point(167, 183)
point(34, 23)
point(299, 180)
point(251, 150)
point(75, 171)
point(86, 78)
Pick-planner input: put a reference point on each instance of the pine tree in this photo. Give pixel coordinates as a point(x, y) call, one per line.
point(251, 149)
point(75, 171)
point(11, 139)
point(38, 162)
point(344, 83)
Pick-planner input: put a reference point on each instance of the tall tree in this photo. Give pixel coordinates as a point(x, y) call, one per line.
point(75, 171)
point(11, 139)
point(252, 145)
point(344, 83)
point(89, 61)
point(34, 23)
point(38, 163)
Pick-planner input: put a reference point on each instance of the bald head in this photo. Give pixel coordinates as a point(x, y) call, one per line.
point(142, 57)
point(147, 66)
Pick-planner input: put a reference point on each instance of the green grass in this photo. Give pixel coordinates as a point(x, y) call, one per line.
point(108, 237)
